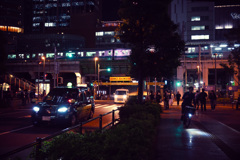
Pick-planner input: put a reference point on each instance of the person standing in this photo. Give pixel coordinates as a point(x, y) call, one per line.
point(158, 97)
point(166, 99)
point(213, 98)
point(202, 97)
point(197, 99)
point(178, 96)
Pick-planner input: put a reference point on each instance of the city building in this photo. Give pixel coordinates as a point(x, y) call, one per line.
point(204, 25)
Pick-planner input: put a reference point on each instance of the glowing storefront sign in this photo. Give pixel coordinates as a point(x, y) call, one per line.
point(235, 15)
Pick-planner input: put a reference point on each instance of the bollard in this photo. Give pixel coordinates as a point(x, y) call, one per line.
point(113, 117)
point(38, 147)
point(80, 128)
point(100, 122)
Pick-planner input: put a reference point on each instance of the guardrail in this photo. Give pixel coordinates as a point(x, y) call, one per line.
point(39, 141)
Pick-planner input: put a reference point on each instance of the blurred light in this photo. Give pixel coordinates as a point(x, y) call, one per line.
point(62, 109)
point(36, 109)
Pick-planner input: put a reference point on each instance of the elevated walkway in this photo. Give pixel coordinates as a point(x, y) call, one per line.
point(20, 82)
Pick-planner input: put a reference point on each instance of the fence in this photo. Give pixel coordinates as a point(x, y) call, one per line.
point(39, 141)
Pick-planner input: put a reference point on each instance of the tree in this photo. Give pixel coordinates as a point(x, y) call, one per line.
point(156, 46)
point(233, 66)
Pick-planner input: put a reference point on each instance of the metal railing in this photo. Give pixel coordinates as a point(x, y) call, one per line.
point(39, 141)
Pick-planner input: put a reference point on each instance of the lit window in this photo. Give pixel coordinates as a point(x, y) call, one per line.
point(191, 49)
point(219, 27)
point(50, 55)
point(99, 33)
point(198, 28)
point(50, 24)
point(28, 56)
point(109, 33)
point(90, 54)
point(60, 54)
point(228, 26)
point(218, 49)
point(101, 53)
point(33, 55)
point(195, 18)
point(12, 56)
point(198, 37)
point(80, 54)
point(21, 56)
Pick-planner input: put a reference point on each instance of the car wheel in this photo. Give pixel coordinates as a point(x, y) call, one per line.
point(91, 114)
point(73, 120)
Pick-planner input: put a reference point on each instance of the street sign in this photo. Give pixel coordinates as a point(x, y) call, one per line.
point(120, 79)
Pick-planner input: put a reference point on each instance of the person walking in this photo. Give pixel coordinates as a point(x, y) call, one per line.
point(178, 96)
point(197, 99)
point(202, 97)
point(166, 99)
point(213, 98)
point(158, 97)
point(151, 96)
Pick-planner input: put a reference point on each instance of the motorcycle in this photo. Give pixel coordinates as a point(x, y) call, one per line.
point(188, 113)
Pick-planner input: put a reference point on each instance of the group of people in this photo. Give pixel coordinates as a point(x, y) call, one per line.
point(198, 99)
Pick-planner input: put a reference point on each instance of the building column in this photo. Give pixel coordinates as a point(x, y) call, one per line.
point(205, 74)
point(180, 71)
point(78, 78)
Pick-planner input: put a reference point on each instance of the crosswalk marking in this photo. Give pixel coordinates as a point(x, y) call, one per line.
point(107, 106)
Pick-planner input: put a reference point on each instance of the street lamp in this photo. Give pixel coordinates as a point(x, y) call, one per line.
point(95, 59)
point(215, 71)
point(43, 58)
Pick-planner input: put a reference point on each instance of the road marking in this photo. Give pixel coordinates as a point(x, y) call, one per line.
point(230, 127)
point(15, 130)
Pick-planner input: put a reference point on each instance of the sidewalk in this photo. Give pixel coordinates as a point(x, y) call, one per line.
point(206, 138)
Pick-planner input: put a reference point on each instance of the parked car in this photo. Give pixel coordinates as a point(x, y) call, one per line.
point(64, 105)
point(121, 95)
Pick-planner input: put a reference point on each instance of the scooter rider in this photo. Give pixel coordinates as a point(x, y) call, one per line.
point(188, 99)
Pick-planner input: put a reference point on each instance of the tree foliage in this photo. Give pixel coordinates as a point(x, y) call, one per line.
point(156, 46)
point(233, 66)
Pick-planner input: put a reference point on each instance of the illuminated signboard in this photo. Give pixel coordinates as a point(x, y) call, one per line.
point(235, 15)
point(120, 79)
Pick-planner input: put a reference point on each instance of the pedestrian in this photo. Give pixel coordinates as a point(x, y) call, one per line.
point(202, 97)
point(213, 98)
point(197, 99)
point(166, 99)
point(178, 96)
point(158, 97)
point(23, 98)
point(151, 95)
point(171, 97)
point(26, 96)
point(32, 95)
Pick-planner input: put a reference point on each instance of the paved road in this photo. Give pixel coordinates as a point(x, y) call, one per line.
point(16, 129)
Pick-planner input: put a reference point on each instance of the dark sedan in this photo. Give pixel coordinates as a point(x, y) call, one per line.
point(64, 106)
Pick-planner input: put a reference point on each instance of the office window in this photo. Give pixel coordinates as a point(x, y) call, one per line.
point(99, 33)
point(197, 28)
point(196, 18)
point(199, 37)
point(191, 49)
point(50, 55)
point(90, 54)
point(80, 54)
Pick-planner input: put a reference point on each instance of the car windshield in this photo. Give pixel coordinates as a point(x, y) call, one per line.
point(121, 92)
point(60, 95)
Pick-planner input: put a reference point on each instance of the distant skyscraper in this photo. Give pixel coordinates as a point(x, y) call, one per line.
point(58, 15)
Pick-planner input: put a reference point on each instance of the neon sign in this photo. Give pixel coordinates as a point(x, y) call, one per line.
point(235, 15)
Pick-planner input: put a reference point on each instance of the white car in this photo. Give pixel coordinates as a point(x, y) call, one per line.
point(121, 95)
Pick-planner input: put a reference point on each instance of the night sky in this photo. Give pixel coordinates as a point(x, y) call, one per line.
point(110, 9)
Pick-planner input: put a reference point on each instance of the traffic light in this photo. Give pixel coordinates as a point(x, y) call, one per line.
point(91, 84)
point(178, 83)
point(109, 69)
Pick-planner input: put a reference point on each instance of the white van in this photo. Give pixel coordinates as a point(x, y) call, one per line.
point(121, 95)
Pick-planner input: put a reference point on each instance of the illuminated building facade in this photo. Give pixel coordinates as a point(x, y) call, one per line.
point(203, 25)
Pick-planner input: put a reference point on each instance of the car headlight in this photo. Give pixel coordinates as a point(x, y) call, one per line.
point(62, 109)
point(125, 96)
point(36, 109)
point(189, 115)
point(115, 96)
